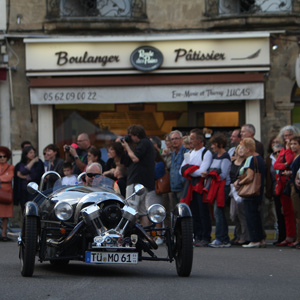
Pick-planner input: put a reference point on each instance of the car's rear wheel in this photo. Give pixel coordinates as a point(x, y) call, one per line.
point(184, 247)
point(28, 246)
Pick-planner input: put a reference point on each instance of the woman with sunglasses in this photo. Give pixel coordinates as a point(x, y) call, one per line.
point(6, 176)
point(282, 164)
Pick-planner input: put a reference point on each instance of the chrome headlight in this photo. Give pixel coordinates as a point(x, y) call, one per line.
point(63, 211)
point(156, 213)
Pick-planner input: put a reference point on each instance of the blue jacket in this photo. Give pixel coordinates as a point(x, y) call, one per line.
point(176, 180)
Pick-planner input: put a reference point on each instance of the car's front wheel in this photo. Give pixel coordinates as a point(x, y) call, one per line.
point(184, 247)
point(28, 245)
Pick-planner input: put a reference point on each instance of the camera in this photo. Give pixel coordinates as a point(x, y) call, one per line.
point(126, 138)
point(67, 148)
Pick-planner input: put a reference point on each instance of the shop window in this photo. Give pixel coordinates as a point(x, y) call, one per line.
point(100, 9)
point(219, 119)
point(233, 7)
point(107, 121)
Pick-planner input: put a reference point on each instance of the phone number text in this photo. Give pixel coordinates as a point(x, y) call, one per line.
point(70, 96)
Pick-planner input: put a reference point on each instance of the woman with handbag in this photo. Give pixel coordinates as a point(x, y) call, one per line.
point(253, 169)
point(282, 164)
point(241, 229)
point(6, 193)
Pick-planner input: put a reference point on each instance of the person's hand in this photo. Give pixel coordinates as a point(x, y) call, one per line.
point(287, 172)
point(36, 159)
point(107, 173)
point(203, 174)
point(19, 174)
point(297, 182)
point(166, 151)
point(124, 144)
point(73, 151)
point(236, 185)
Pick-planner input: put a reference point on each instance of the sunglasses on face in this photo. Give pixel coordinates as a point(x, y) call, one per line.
point(2, 156)
point(92, 174)
point(277, 152)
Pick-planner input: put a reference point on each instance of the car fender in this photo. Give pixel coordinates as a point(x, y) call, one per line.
point(181, 211)
point(31, 209)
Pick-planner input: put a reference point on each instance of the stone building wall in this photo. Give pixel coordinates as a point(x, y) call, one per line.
point(23, 115)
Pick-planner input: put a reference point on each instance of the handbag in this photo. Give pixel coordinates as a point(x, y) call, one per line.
point(5, 197)
point(252, 188)
point(162, 185)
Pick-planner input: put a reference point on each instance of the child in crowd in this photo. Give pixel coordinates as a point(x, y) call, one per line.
point(121, 173)
point(69, 178)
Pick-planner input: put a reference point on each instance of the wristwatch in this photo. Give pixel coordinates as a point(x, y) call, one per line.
point(76, 156)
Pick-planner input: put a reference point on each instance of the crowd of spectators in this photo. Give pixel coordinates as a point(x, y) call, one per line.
point(205, 178)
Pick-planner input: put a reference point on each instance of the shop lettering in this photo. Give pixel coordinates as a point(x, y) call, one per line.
point(238, 92)
point(63, 58)
point(192, 55)
point(209, 93)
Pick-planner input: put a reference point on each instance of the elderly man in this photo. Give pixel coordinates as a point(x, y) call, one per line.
point(92, 171)
point(176, 179)
point(78, 155)
point(193, 168)
point(248, 131)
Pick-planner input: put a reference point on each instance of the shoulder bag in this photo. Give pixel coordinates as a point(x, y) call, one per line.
point(162, 185)
point(251, 189)
point(5, 197)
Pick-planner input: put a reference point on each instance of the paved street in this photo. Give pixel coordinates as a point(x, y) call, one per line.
point(228, 273)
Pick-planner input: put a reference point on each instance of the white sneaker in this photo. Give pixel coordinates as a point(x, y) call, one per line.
point(216, 244)
point(159, 241)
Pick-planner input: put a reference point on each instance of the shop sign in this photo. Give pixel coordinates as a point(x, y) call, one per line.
point(147, 94)
point(93, 57)
point(146, 58)
point(63, 58)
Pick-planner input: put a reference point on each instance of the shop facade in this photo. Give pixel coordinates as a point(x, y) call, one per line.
point(103, 85)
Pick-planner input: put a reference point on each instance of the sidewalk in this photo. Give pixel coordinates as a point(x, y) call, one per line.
point(270, 233)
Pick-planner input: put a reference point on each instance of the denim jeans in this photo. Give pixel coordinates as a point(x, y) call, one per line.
point(221, 224)
point(201, 218)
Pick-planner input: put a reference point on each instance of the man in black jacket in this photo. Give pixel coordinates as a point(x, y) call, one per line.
point(141, 170)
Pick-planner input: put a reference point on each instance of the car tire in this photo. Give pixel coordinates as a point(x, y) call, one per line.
point(28, 246)
point(184, 247)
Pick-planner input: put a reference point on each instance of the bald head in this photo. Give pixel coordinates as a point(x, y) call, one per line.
point(92, 170)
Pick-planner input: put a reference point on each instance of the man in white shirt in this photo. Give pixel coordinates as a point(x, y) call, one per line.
point(200, 159)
